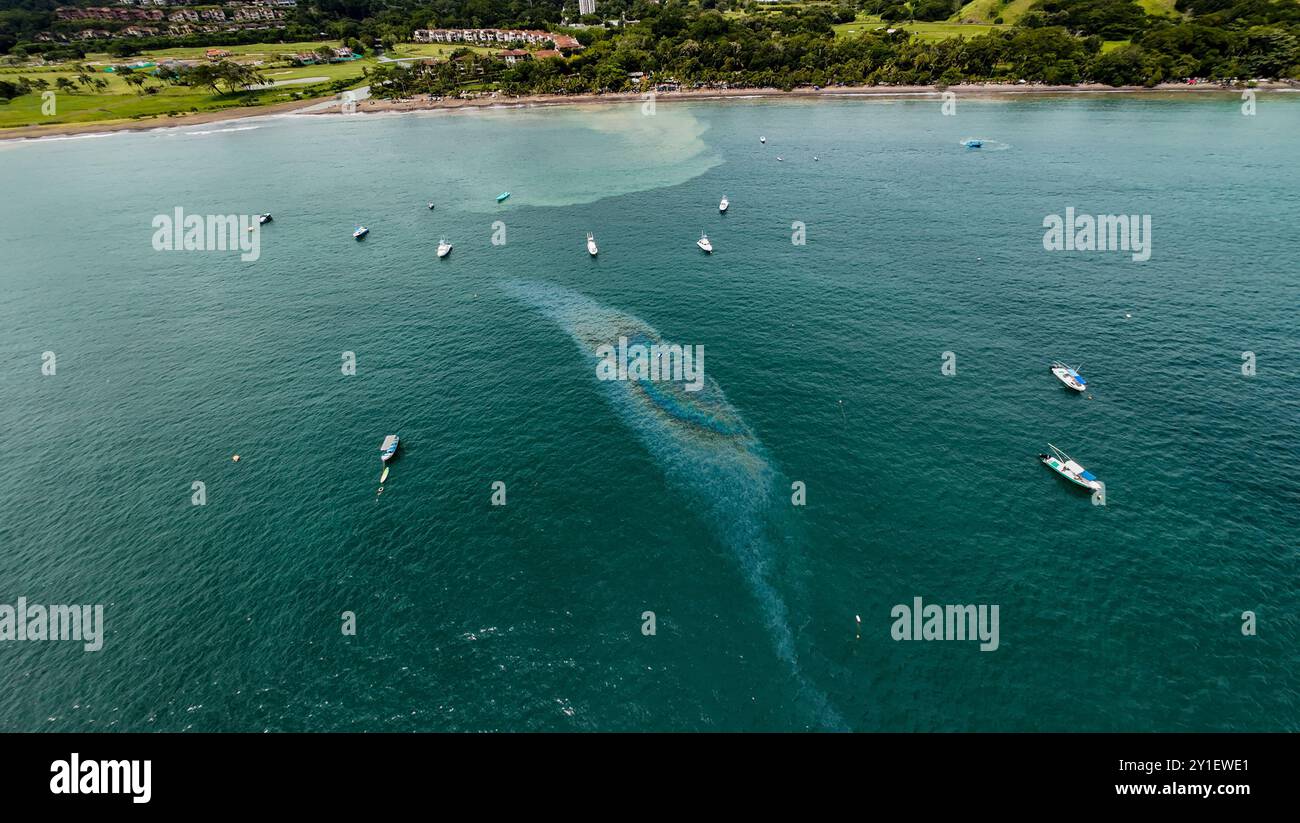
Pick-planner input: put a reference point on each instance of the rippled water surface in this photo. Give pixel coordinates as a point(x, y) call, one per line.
point(823, 359)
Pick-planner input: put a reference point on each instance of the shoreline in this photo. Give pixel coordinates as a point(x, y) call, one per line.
point(989, 90)
point(161, 121)
point(333, 105)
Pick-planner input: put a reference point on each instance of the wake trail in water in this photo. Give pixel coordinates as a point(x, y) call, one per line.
point(703, 446)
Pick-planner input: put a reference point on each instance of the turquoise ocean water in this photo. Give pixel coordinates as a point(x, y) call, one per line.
point(528, 616)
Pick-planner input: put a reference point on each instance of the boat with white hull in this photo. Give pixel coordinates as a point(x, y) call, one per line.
point(704, 243)
point(1064, 465)
point(591, 245)
point(722, 207)
point(389, 447)
point(444, 248)
point(1069, 376)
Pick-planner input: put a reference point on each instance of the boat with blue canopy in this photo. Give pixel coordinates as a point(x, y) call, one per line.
point(1064, 465)
point(1069, 376)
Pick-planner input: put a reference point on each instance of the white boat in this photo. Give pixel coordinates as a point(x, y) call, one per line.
point(762, 139)
point(430, 207)
point(722, 207)
point(704, 243)
point(361, 232)
point(389, 448)
point(264, 218)
point(591, 244)
point(1070, 377)
point(444, 248)
point(1061, 463)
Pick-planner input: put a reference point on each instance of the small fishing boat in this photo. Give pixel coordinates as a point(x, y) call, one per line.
point(360, 232)
point(264, 218)
point(1061, 463)
point(780, 159)
point(722, 207)
point(430, 207)
point(762, 139)
point(1070, 377)
point(704, 243)
point(972, 144)
point(502, 196)
point(389, 448)
point(591, 244)
point(444, 248)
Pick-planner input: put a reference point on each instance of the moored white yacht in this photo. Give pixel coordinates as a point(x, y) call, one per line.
point(722, 207)
point(591, 244)
point(361, 231)
point(444, 248)
point(704, 243)
point(1070, 377)
point(389, 448)
point(1061, 463)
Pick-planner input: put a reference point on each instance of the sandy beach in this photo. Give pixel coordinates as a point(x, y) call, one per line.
point(426, 103)
point(422, 103)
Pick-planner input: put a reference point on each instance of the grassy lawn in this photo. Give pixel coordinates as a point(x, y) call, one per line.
point(1157, 8)
point(435, 49)
point(986, 11)
point(255, 51)
point(120, 102)
point(928, 32)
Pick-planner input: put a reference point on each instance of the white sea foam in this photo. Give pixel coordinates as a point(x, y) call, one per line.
point(220, 131)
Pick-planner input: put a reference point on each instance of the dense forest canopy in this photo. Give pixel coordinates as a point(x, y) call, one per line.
point(1054, 41)
point(1057, 41)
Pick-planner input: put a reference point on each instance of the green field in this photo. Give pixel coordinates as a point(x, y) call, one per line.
point(933, 32)
point(120, 102)
point(1157, 8)
point(255, 51)
point(986, 11)
point(929, 32)
point(435, 50)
